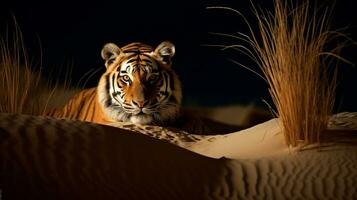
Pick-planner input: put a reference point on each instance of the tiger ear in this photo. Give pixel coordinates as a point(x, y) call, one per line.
point(165, 51)
point(109, 52)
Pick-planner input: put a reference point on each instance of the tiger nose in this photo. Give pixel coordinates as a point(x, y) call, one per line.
point(140, 104)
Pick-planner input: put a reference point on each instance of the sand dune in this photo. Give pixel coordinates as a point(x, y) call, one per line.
point(44, 158)
point(263, 140)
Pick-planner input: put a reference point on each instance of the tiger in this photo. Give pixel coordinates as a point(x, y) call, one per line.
point(138, 86)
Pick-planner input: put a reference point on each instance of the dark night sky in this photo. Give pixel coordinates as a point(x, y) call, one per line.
point(72, 34)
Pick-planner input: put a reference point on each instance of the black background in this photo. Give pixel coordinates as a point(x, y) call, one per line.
point(71, 35)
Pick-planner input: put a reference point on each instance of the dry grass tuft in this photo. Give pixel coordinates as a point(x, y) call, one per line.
point(291, 51)
point(18, 82)
point(23, 90)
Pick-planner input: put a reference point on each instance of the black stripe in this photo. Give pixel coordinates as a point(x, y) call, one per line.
point(172, 83)
point(138, 59)
point(136, 51)
point(113, 85)
point(113, 82)
point(126, 68)
point(147, 56)
point(146, 60)
point(132, 56)
point(79, 110)
point(108, 102)
point(130, 61)
point(115, 93)
point(90, 107)
point(166, 76)
point(136, 45)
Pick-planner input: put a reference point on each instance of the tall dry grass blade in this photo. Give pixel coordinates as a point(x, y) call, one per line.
point(290, 49)
point(22, 89)
point(17, 80)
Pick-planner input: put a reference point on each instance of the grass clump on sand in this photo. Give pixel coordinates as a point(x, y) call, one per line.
point(290, 48)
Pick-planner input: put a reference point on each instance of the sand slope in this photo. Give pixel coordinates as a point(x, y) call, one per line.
point(263, 140)
point(44, 158)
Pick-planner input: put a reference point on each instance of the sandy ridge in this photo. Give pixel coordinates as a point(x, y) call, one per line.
point(89, 161)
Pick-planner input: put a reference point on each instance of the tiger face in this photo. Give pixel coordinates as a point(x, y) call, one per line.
point(139, 85)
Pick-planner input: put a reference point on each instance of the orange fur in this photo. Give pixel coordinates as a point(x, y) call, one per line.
point(83, 106)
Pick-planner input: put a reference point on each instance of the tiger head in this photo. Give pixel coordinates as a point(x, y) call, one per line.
point(139, 84)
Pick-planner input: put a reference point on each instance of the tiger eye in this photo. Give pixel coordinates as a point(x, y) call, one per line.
point(126, 78)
